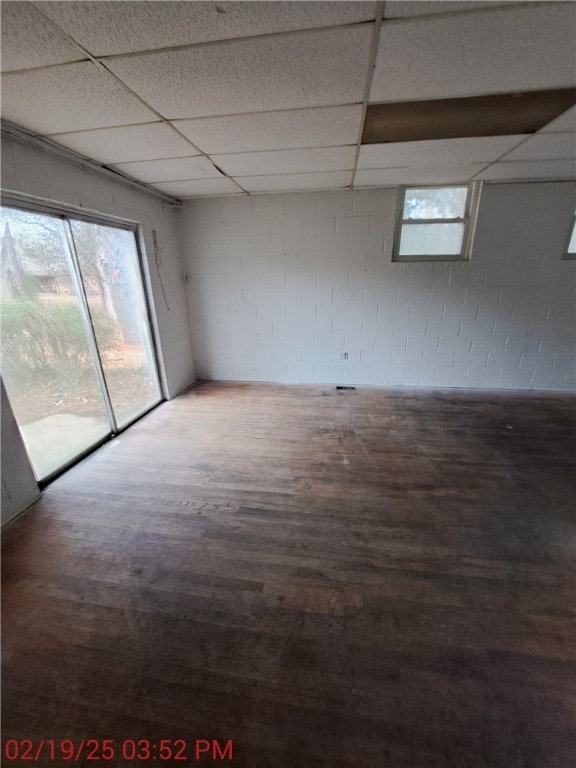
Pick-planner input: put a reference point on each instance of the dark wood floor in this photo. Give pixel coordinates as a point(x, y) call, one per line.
point(376, 579)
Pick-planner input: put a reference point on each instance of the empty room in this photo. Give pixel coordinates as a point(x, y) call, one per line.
point(288, 383)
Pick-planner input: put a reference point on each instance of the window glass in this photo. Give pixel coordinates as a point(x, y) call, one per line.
point(431, 239)
point(77, 355)
point(435, 203)
point(572, 243)
point(436, 223)
point(47, 362)
point(109, 266)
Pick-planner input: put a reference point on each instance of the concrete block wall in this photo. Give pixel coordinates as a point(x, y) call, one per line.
point(285, 287)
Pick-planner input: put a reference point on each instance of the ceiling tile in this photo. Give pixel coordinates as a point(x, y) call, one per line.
point(545, 169)
point(135, 142)
point(200, 187)
point(385, 177)
point(430, 154)
point(296, 181)
point(123, 27)
point(29, 40)
point(566, 122)
point(287, 161)
point(323, 127)
point(175, 169)
point(396, 9)
point(69, 98)
point(505, 49)
point(545, 146)
point(309, 69)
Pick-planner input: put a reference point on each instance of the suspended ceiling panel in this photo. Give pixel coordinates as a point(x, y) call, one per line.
point(106, 28)
point(545, 146)
point(394, 9)
point(28, 41)
point(296, 181)
point(292, 129)
point(275, 92)
point(69, 98)
point(287, 161)
point(551, 169)
point(497, 50)
point(566, 122)
point(436, 153)
point(134, 142)
point(306, 69)
point(175, 169)
point(199, 187)
point(388, 177)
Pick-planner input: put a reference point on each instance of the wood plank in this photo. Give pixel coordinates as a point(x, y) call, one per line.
point(382, 578)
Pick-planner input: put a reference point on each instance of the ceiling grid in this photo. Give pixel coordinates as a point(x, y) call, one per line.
point(205, 98)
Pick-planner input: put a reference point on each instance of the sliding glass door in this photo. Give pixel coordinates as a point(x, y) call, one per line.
point(109, 266)
point(77, 355)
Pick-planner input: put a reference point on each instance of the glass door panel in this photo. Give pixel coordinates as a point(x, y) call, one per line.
point(48, 366)
point(109, 265)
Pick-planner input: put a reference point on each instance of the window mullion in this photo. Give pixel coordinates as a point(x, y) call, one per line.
point(461, 220)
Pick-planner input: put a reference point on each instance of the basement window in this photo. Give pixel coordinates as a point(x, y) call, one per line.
point(436, 223)
point(570, 252)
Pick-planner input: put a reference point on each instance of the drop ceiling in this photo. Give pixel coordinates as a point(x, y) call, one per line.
point(216, 98)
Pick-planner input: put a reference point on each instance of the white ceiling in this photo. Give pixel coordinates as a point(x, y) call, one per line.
point(212, 98)
point(438, 153)
point(129, 143)
point(474, 53)
point(290, 129)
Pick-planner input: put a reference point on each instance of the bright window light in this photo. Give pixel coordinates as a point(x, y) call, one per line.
point(436, 223)
point(571, 249)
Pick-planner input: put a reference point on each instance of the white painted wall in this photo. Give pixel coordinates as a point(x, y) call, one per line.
point(44, 175)
point(280, 286)
point(19, 487)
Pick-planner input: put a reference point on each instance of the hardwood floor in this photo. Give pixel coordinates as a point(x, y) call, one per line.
point(381, 579)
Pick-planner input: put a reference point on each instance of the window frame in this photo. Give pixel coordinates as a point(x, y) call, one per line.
point(566, 254)
point(469, 220)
